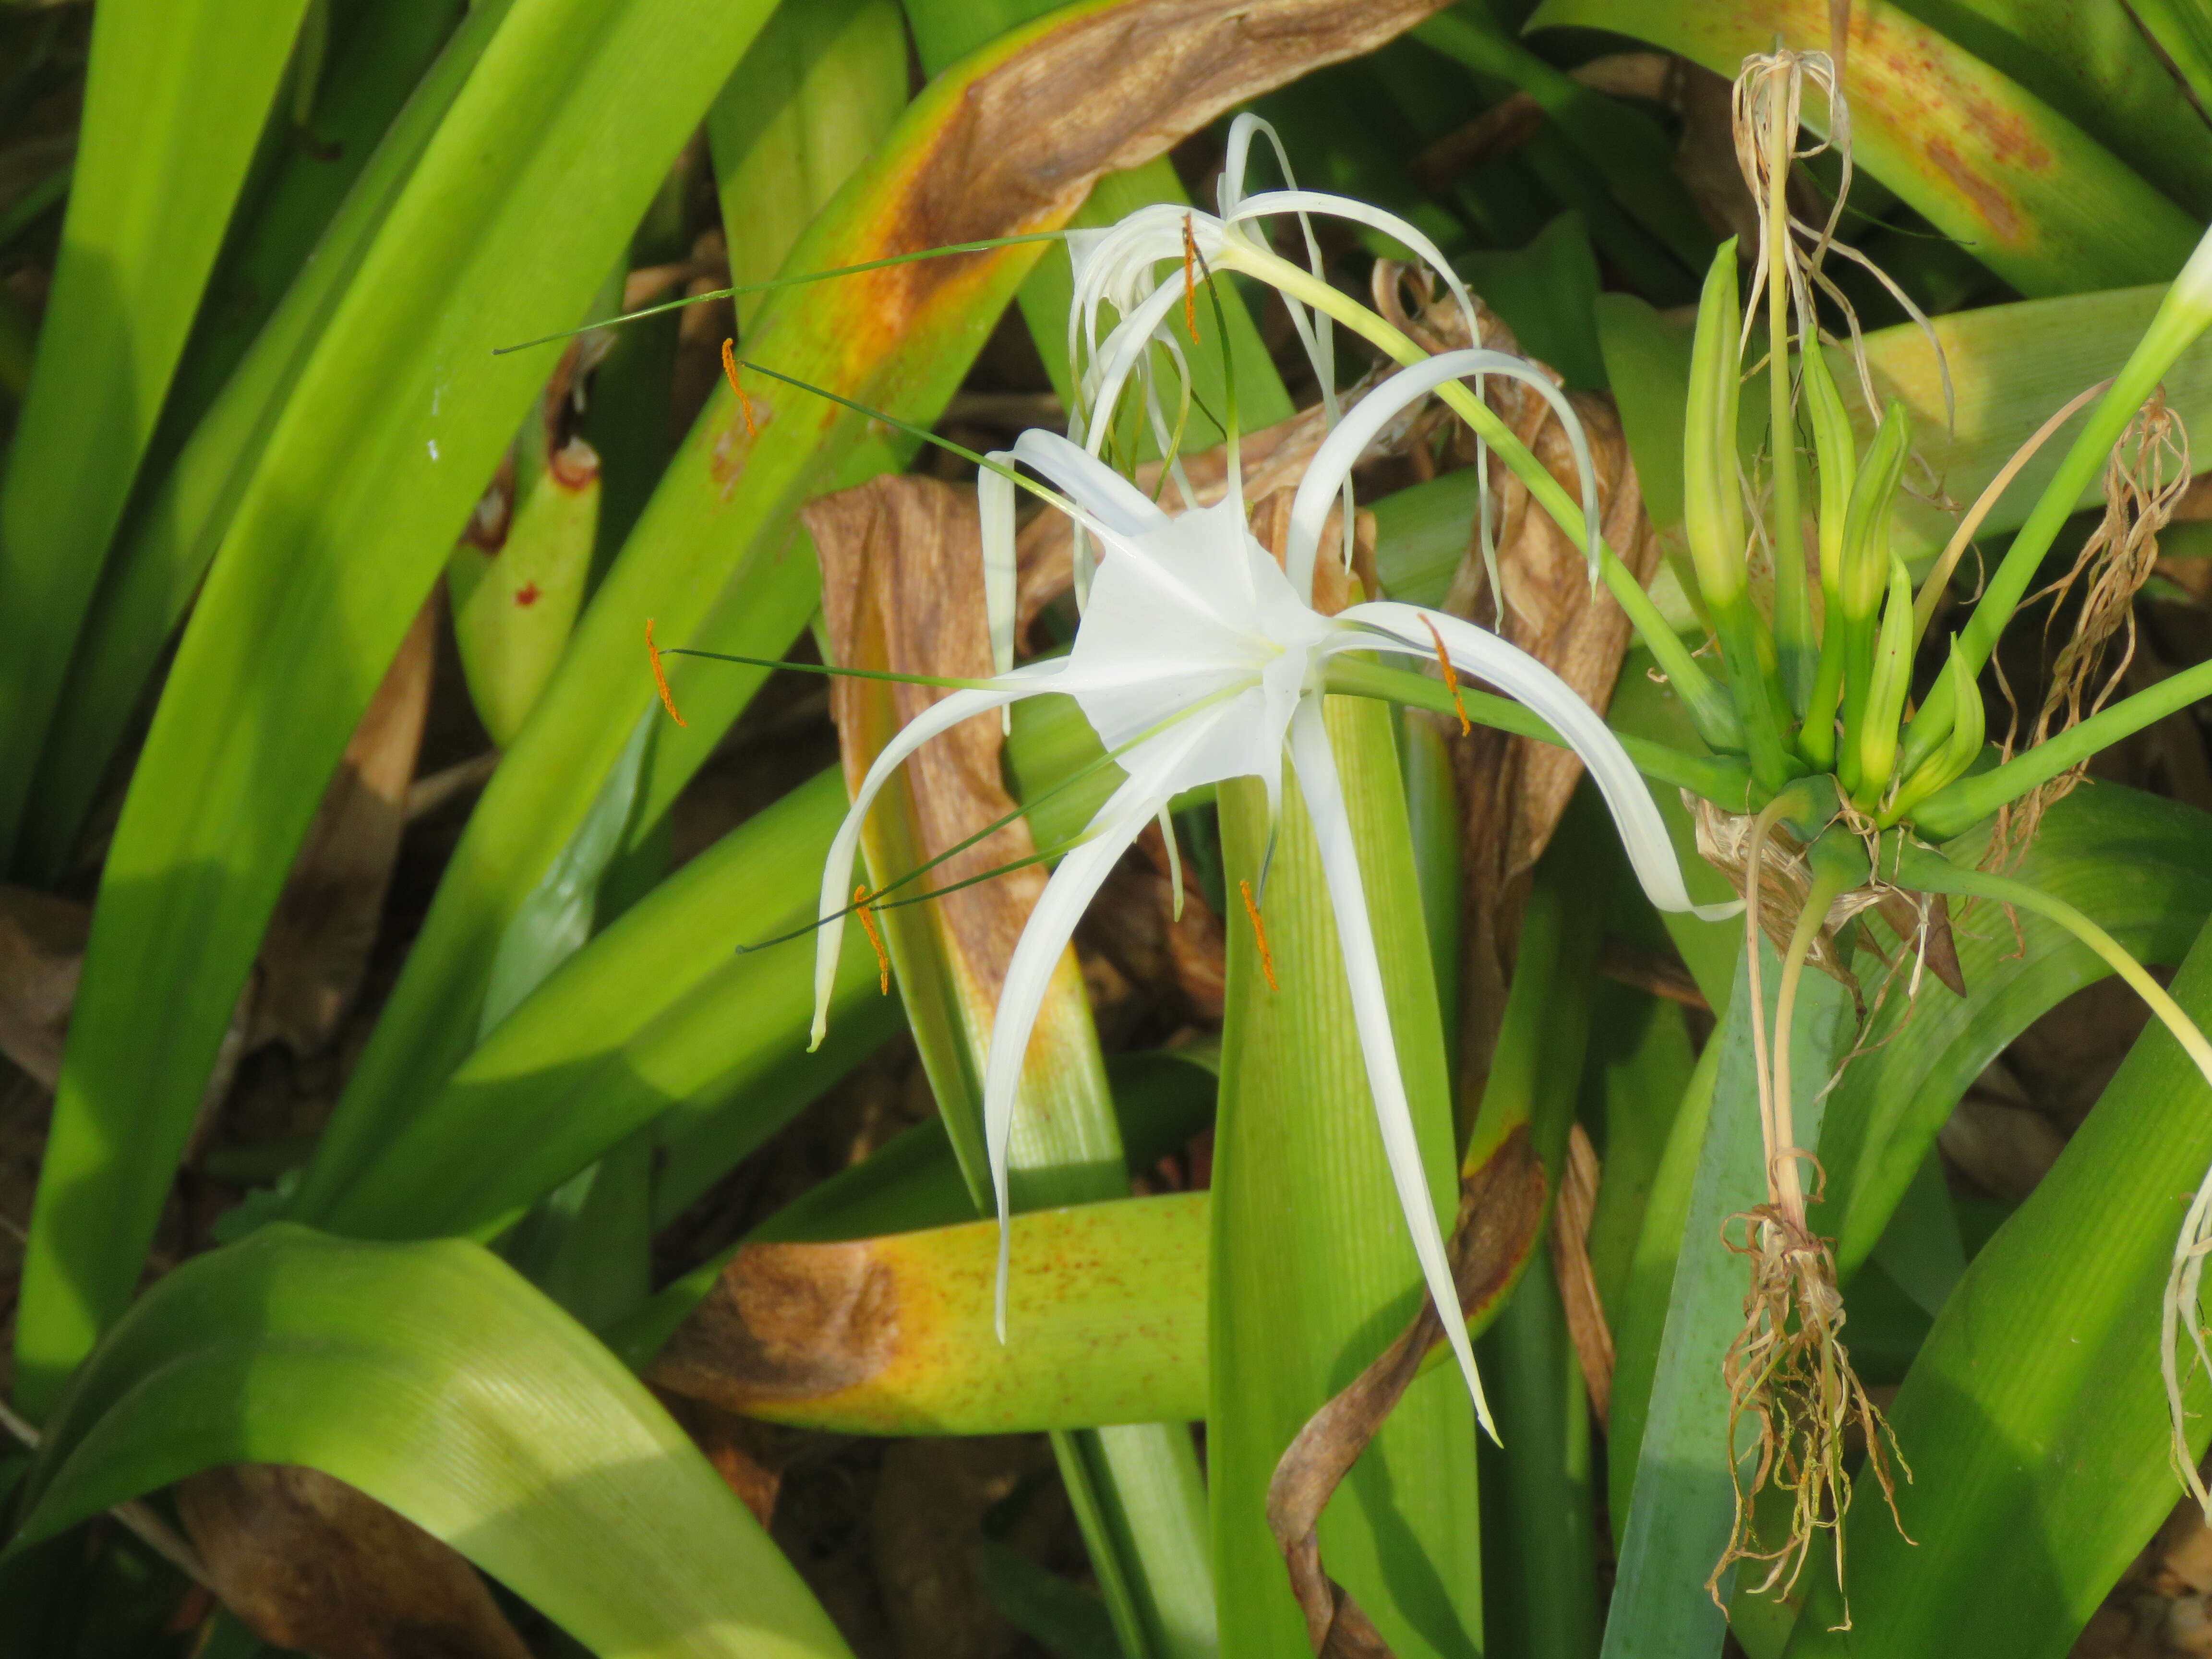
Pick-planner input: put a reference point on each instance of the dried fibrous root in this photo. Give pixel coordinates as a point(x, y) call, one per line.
point(2145, 478)
point(1785, 880)
point(1789, 1373)
point(1769, 99)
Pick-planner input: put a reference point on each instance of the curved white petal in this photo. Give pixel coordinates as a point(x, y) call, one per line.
point(837, 869)
point(1482, 654)
point(1333, 461)
point(1045, 936)
point(994, 507)
point(1375, 218)
point(1097, 488)
point(1363, 970)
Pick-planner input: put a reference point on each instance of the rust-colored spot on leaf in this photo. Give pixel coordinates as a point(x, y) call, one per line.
point(784, 1322)
point(528, 594)
point(1259, 934)
point(661, 676)
point(1501, 1205)
point(1997, 209)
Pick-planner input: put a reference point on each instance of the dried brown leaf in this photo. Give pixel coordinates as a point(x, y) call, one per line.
point(784, 1323)
point(307, 1562)
point(41, 953)
point(903, 590)
point(1512, 790)
point(1571, 1264)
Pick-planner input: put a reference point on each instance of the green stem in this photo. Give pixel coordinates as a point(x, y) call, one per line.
point(1716, 721)
point(1956, 807)
point(1925, 869)
point(1724, 780)
point(2182, 315)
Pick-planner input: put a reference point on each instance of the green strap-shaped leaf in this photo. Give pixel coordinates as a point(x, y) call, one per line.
point(166, 546)
point(2140, 866)
point(2035, 1418)
point(1991, 165)
point(435, 1380)
point(175, 99)
point(506, 228)
point(1313, 1273)
point(1678, 1523)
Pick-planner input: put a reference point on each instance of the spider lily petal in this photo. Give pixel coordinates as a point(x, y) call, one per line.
point(1482, 655)
point(1155, 770)
point(1333, 462)
point(1323, 793)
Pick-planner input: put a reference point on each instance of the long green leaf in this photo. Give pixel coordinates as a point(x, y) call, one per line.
point(2034, 1418)
point(1682, 1503)
point(1312, 1271)
point(666, 1006)
point(2140, 866)
point(1991, 165)
point(506, 226)
point(175, 98)
point(2097, 66)
point(166, 544)
point(434, 1379)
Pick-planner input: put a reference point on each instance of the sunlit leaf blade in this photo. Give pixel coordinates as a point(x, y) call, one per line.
point(2140, 866)
point(1312, 1272)
point(435, 1380)
point(165, 547)
point(175, 98)
point(2035, 1418)
point(2026, 192)
point(390, 432)
point(666, 1007)
point(2101, 68)
point(1108, 1325)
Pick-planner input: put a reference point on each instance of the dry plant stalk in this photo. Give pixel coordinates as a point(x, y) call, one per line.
point(2145, 478)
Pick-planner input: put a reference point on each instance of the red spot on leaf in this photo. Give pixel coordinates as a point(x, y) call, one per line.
point(527, 594)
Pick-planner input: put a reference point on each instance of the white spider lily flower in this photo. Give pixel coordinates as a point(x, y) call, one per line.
point(1198, 659)
point(1120, 267)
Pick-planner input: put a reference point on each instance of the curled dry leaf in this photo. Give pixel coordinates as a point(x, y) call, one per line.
point(325, 923)
point(1501, 1206)
point(903, 590)
point(1512, 790)
point(307, 1563)
point(1571, 1264)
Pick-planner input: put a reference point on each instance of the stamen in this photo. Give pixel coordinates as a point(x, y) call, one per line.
point(1189, 280)
point(883, 957)
point(660, 679)
point(1259, 932)
point(730, 374)
point(1451, 679)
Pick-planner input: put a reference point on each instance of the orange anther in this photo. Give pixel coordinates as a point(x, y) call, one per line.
point(660, 679)
point(1451, 680)
point(1189, 280)
point(1259, 932)
point(730, 374)
point(883, 957)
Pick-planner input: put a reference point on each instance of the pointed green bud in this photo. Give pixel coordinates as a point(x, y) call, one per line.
point(1712, 500)
point(1836, 451)
point(1885, 691)
point(1969, 731)
point(1864, 559)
